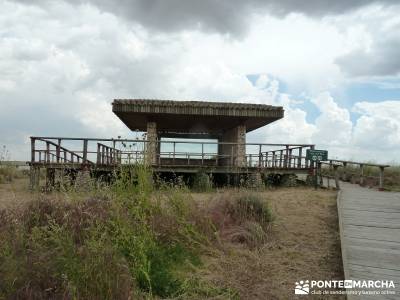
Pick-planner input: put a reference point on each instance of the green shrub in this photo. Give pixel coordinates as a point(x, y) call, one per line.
point(243, 218)
point(252, 207)
point(202, 182)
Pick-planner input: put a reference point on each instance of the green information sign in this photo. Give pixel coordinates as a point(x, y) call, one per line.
point(317, 155)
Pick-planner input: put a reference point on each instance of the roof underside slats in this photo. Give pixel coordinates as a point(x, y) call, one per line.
point(184, 116)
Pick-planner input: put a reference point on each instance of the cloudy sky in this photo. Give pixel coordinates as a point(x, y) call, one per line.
point(333, 65)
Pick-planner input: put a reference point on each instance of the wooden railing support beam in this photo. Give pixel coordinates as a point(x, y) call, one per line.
point(33, 140)
point(361, 174)
point(85, 149)
point(344, 171)
point(335, 168)
point(381, 178)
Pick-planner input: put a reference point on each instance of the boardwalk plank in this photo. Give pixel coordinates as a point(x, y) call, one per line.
point(374, 257)
point(370, 233)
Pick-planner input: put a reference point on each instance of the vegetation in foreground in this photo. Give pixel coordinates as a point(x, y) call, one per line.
point(123, 241)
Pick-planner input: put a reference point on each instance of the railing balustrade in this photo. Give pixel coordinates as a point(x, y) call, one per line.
point(112, 152)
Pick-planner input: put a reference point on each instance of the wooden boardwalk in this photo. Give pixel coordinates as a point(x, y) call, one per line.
point(370, 235)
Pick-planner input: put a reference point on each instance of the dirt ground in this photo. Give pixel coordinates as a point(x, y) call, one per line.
point(304, 244)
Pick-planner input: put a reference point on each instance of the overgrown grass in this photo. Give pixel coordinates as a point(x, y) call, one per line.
point(120, 241)
point(7, 174)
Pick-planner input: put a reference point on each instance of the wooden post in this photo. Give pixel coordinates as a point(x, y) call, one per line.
point(319, 170)
point(47, 152)
point(381, 170)
point(259, 156)
point(344, 171)
point(280, 159)
point(58, 150)
point(114, 153)
point(33, 140)
point(311, 163)
point(290, 158)
point(286, 157)
point(335, 168)
point(85, 146)
point(202, 153)
point(361, 174)
point(174, 146)
point(98, 154)
point(299, 159)
point(273, 159)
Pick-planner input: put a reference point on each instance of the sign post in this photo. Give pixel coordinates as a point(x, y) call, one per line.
point(316, 156)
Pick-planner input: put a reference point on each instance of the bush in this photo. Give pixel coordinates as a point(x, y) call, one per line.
point(202, 182)
point(244, 218)
point(252, 207)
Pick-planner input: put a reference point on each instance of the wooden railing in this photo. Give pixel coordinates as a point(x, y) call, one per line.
point(112, 152)
point(291, 156)
point(55, 153)
point(341, 170)
point(97, 152)
point(107, 155)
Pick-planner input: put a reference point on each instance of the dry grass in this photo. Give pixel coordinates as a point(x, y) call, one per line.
point(259, 262)
point(302, 244)
point(14, 193)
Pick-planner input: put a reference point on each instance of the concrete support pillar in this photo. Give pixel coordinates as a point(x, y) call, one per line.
point(235, 154)
point(152, 143)
point(255, 180)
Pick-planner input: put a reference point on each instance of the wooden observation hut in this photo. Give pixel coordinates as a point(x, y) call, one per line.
point(180, 137)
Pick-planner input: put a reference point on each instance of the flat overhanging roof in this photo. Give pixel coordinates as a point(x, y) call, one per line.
point(194, 117)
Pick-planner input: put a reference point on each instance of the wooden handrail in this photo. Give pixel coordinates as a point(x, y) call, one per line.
point(58, 150)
